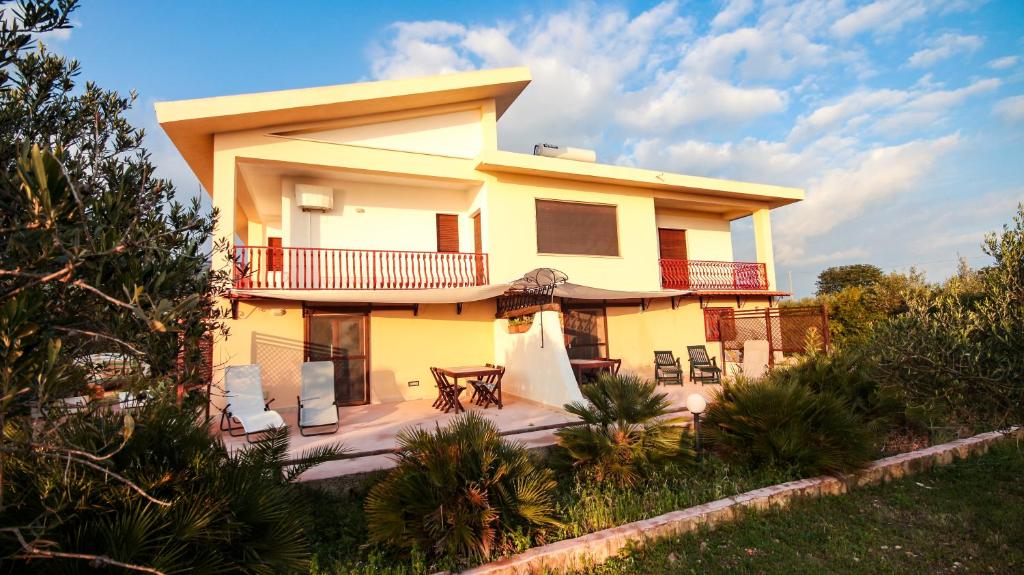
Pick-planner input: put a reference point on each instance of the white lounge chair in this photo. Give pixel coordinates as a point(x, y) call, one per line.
point(243, 385)
point(317, 405)
point(130, 400)
point(755, 358)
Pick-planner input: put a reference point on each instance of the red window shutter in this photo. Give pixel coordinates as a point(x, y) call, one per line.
point(447, 233)
point(275, 255)
point(719, 324)
point(672, 244)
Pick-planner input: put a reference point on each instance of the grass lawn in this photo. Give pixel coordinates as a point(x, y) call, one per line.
point(965, 518)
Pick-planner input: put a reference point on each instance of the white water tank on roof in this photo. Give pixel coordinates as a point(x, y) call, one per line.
point(312, 198)
point(565, 153)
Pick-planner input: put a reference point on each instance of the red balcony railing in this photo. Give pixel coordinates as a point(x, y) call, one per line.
point(708, 275)
point(262, 267)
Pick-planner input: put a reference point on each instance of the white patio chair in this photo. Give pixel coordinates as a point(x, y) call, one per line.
point(755, 358)
point(243, 386)
point(130, 400)
point(317, 405)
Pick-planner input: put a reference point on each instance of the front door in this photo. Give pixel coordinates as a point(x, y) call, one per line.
point(342, 339)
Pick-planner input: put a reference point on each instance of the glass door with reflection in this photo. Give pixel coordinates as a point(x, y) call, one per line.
point(342, 339)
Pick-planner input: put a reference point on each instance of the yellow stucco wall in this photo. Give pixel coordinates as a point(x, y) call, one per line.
point(512, 233)
point(264, 335)
point(404, 348)
point(633, 335)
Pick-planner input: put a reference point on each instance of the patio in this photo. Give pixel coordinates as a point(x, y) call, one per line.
point(371, 429)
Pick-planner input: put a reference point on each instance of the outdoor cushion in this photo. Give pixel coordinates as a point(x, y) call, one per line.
point(317, 395)
point(243, 388)
point(755, 358)
point(262, 421)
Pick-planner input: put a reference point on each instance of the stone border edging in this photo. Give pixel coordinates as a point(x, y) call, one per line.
point(595, 548)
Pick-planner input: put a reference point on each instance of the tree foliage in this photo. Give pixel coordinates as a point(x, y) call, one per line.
point(96, 255)
point(836, 279)
point(955, 356)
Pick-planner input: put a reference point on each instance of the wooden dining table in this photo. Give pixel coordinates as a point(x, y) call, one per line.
point(474, 371)
point(581, 365)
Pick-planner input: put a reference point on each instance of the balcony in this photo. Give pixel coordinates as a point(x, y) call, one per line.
point(274, 268)
point(709, 275)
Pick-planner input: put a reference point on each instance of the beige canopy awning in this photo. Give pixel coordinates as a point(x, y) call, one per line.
point(422, 296)
point(576, 291)
point(447, 295)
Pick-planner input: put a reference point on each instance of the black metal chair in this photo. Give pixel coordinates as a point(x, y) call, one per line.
point(703, 368)
point(667, 369)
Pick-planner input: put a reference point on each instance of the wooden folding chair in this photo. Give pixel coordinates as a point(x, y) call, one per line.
point(488, 390)
point(448, 392)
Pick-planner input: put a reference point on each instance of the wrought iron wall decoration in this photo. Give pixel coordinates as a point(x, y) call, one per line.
point(535, 288)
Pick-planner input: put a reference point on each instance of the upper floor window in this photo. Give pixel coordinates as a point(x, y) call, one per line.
point(447, 232)
point(576, 229)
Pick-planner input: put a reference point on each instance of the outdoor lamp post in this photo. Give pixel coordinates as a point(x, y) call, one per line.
point(696, 404)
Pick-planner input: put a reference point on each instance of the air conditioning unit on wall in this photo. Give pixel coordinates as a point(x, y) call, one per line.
point(311, 198)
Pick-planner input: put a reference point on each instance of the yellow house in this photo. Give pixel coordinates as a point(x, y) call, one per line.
point(379, 226)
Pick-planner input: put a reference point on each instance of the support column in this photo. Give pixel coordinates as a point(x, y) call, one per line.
point(763, 243)
point(223, 193)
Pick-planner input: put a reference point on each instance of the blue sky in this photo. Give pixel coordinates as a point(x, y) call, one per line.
point(903, 119)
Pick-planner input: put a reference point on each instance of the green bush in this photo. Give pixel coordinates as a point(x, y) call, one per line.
point(786, 425)
point(461, 492)
point(955, 357)
point(625, 431)
point(207, 510)
point(848, 374)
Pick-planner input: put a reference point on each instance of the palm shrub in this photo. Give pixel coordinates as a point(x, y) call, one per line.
point(182, 502)
point(461, 492)
point(625, 431)
point(847, 373)
point(787, 425)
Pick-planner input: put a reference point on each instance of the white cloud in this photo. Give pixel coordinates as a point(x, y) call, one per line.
point(650, 91)
point(421, 49)
point(689, 99)
point(1003, 63)
point(943, 47)
point(887, 111)
point(881, 17)
point(1010, 109)
point(839, 256)
point(732, 14)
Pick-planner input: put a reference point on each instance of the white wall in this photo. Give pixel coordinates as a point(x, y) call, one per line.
point(375, 216)
point(457, 134)
point(707, 237)
point(540, 374)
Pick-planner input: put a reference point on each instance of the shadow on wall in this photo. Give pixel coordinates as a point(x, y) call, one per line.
point(280, 360)
point(384, 387)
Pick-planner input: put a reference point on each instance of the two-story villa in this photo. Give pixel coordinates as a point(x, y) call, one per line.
point(377, 224)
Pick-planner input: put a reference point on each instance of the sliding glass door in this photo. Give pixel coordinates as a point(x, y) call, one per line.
point(344, 340)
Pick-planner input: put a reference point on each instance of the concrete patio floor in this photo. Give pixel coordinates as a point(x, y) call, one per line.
point(369, 428)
